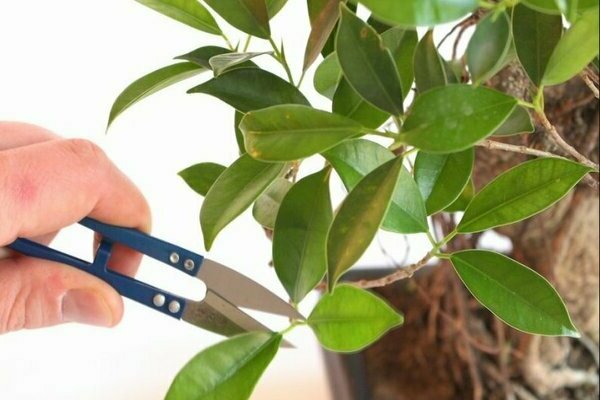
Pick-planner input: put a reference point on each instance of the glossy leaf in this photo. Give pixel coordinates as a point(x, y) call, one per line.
point(324, 16)
point(274, 6)
point(189, 12)
point(442, 177)
point(575, 50)
point(419, 12)
point(455, 117)
point(239, 136)
point(521, 192)
point(150, 84)
point(517, 123)
point(535, 36)
point(350, 104)
point(327, 76)
point(267, 205)
point(428, 65)
point(488, 46)
point(300, 236)
point(292, 132)
point(350, 319)
point(359, 218)
point(233, 192)
point(201, 177)
point(354, 159)
point(463, 200)
point(402, 44)
point(248, 89)
point(515, 293)
point(202, 55)
point(367, 64)
point(248, 16)
point(222, 62)
point(227, 370)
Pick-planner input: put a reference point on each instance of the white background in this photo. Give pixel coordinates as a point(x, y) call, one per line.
point(62, 63)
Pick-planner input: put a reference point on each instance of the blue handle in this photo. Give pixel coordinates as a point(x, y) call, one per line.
point(175, 256)
point(148, 295)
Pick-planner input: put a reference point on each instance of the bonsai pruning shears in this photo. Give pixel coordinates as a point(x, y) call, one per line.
point(226, 290)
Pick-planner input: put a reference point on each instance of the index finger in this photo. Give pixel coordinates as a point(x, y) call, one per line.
point(47, 186)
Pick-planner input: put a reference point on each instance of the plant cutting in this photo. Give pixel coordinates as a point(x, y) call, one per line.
point(402, 132)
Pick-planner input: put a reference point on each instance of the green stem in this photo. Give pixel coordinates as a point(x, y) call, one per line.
point(247, 44)
point(227, 41)
point(431, 238)
point(290, 328)
point(279, 56)
point(386, 134)
point(409, 152)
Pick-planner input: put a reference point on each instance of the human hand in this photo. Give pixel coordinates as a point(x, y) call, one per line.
point(47, 183)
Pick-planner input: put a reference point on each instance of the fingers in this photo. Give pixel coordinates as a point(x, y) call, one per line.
point(18, 134)
point(53, 184)
point(38, 294)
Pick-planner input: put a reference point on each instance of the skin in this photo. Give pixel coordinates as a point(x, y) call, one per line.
point(48, 183)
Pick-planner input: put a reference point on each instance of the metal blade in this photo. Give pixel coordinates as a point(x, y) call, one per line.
point(217, 315)
point(243, 291)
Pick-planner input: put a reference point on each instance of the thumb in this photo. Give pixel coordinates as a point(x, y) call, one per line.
point(36, 294)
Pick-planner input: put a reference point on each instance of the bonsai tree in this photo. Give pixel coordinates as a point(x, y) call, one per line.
point(411, 135)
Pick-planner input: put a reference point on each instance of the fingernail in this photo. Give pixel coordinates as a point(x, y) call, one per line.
point(87, 307)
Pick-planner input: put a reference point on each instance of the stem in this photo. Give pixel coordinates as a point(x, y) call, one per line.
point(555, 136)
point(409, 152)
point(292, 327)
point(279, 56)
point(493, 145)
point(247, 44)
point(398, 122)
point(386, 134)
point(409, 271)
point(590, 84)
point(227, 41)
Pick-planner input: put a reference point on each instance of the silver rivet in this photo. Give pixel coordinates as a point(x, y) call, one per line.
point(159, 300)
point(189, 265)
point(174, 307)
point(174, 258)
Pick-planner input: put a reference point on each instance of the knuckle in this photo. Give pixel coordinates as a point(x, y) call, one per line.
point(13, 304)
point(85, 150)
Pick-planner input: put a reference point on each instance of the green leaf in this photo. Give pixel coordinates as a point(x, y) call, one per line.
point(359, 218)
point(575, 50)
point(517, 123)
point(327, 76)
point(367, 64)
point(350, 104)
point(239, 136)
point(274, 6)
point(222, 62)
point(350, 319)
point(300, 236)
point(233, 192)
point(291, 132)
point(201, 177)
point(442, 177)
point(455, 117)
point(429, 68)
point(202, 55)
point(419, 12)
point(324, 15)
point(488, 46)
point(544, 6)
point(189, 12)
point(228, 370)
point(248, 89)
point(535, 36)
point(354, 159)
point(150, 84)
point(267, 205)
point(463, 200)
point(402, 44)
point(249, 16)
point(521, 192)
point(515, 293)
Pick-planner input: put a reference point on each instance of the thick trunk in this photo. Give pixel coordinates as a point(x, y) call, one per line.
point(451, 348)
